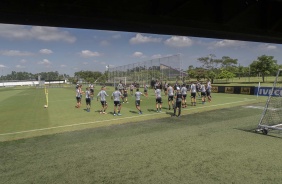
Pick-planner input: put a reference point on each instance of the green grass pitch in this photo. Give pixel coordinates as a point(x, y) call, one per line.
point(211, 143)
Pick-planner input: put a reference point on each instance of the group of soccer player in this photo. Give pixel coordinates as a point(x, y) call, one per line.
point(176, 94)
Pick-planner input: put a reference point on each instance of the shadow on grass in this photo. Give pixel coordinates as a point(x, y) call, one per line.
point(151, 110)
point(271, 133)
point(170, 113)
point(134, 112)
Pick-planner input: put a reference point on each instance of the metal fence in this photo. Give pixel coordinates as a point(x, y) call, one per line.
point(165, 68)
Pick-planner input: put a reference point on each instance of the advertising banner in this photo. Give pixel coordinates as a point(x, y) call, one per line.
point(266, 91)
point(245, 90)
point(229, 89)
point(214, 89)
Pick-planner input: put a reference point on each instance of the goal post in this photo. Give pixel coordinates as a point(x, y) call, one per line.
point(271, 118)
point(46, 96)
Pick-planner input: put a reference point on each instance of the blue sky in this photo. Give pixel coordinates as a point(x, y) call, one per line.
point(41, 49)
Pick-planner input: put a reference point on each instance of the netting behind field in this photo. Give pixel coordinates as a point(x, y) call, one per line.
point(272, 115)
point(166, 68)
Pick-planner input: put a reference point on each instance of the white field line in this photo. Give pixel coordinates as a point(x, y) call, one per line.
point(101, 121)
point(262, 107)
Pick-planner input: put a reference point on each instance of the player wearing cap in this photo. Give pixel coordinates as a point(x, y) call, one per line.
point(178, 100)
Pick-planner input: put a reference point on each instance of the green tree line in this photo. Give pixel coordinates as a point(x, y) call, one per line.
point(228, 68)
point(210, 68)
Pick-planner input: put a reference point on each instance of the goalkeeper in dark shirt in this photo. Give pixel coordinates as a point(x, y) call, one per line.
point(178, 101)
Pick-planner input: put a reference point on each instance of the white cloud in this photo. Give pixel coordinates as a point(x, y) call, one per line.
point(179, 41)
point(45, 51)
point(15, 53)
point(44, 62)
point(51, 34)
point(20, 66)
point(88, 53)
point(226, 43)
point(3, 66)
point(63, 66)
point(271, 47)
point(103, 63)
point(85, 63)
point(267, 47)
point(139, 38)
point(138, 55)
point(35, 32)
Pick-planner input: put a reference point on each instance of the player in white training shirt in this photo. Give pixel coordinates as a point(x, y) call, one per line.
point(138, 100)
point(88, 99)
point(193, 94)
point(184, 95)
point(203, 93)
point(159, 102)
point(208, 90)
point(102, 94)
point(116, 95)
point(170, 93)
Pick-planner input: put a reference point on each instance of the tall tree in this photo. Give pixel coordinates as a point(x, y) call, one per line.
point(210, 65)
point(228, 63)
point(209, 62)
point(264, 65)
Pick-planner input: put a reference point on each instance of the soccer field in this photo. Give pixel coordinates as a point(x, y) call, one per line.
point(211, 143)
point(24, 115)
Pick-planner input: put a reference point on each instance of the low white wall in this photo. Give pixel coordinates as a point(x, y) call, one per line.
point(27, 83)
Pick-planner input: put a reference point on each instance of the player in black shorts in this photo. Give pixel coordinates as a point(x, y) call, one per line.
point(88, 99)
point(178, 102)
point(159, 102)
point(103, 94)
point(116, 95)
point(124, 99)
point(184, 90)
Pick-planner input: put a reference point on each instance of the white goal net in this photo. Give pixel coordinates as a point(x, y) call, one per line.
point(271, 118)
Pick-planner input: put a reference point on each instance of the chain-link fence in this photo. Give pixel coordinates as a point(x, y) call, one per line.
point(165, 68)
